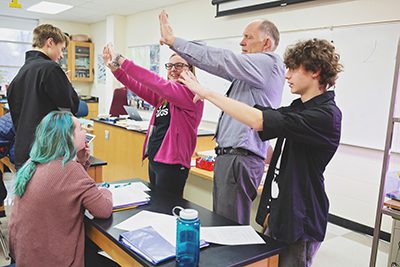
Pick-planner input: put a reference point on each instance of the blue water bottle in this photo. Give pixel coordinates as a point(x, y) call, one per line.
point(187, 237)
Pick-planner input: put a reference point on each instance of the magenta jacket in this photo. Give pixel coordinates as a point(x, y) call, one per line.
point(180, 139)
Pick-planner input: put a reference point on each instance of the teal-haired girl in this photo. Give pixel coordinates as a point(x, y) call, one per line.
point(52, 190)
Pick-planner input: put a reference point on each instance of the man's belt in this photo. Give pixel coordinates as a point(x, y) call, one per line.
point(233, 151)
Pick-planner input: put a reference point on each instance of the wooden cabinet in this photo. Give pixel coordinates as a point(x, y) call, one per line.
point(122, 150)
point(77, 61)
point(93, 110)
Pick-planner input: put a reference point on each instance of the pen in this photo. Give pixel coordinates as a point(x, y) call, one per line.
point(121, 185)
point(105, 185)
point(125, 208)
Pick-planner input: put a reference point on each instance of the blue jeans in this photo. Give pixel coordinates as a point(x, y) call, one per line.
point(299, 254)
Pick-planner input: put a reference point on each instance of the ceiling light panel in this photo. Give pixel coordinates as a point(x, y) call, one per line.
point(49, 8)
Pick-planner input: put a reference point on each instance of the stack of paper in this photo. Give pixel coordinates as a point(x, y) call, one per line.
point(137, 125)
point(129, 195)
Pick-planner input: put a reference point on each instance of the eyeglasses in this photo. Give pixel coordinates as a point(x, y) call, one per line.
point(177, 66)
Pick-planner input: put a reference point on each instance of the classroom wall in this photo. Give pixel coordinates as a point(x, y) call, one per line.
point(109, 31)
point(196, 19)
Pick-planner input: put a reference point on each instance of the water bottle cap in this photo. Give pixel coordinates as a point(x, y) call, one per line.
point(188, 214)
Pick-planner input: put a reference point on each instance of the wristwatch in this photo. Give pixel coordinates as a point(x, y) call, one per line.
point(115, 61)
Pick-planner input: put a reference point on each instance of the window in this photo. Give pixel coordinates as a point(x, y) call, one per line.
point(14, 42)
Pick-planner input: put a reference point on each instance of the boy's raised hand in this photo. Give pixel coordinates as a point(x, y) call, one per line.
point(188, 79)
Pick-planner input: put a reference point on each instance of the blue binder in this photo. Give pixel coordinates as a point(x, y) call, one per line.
point(149, 244)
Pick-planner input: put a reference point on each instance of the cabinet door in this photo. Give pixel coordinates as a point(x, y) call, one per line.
point(64, 62)
point(82, 61)
point(93, 109)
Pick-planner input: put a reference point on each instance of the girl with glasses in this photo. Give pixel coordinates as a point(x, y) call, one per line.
point(172, 133)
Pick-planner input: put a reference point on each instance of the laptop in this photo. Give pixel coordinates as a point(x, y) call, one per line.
point(133, 113)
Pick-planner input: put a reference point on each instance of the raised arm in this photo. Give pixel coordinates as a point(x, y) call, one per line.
point(255, 69)
point(127, 71)
point(136, 87)
point(133, 85)
point(316, 127)
point(172, 91)
point(238, 110)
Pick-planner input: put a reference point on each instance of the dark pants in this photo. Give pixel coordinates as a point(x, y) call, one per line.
point(299, 254)
point(236, 180)
point(169, 177)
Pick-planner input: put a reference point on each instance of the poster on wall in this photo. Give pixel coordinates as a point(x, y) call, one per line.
point(100, 69)
point(147, 56)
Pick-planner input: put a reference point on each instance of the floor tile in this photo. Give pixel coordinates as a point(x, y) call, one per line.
point(341, 251)
point(337, 230)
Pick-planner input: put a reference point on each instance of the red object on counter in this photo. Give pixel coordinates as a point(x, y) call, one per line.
point(204, 164)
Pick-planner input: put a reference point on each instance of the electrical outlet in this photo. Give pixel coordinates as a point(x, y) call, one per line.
point(106, 134)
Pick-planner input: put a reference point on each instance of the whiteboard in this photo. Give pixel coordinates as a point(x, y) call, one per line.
point(363, 89)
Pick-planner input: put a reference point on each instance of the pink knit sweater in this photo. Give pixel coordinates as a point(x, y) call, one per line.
point(46, 226)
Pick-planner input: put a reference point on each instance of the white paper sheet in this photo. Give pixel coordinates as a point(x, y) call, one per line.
point(231, 235)
point(127, 195)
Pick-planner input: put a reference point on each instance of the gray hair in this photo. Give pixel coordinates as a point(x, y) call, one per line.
point(268, 28)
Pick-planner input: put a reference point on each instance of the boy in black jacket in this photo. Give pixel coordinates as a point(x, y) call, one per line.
point(39, 87)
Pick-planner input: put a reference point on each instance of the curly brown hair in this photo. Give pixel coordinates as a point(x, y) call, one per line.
point(315, 55)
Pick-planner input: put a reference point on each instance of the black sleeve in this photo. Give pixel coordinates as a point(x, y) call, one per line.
point(60, 90)
point(312, 126)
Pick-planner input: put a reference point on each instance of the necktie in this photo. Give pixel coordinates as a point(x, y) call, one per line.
point(222, 113)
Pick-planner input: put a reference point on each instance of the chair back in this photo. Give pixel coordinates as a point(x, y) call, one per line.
point(83, 109)
point(118, 102)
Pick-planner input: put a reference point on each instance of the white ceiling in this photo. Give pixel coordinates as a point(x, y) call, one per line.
point(87, 11)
